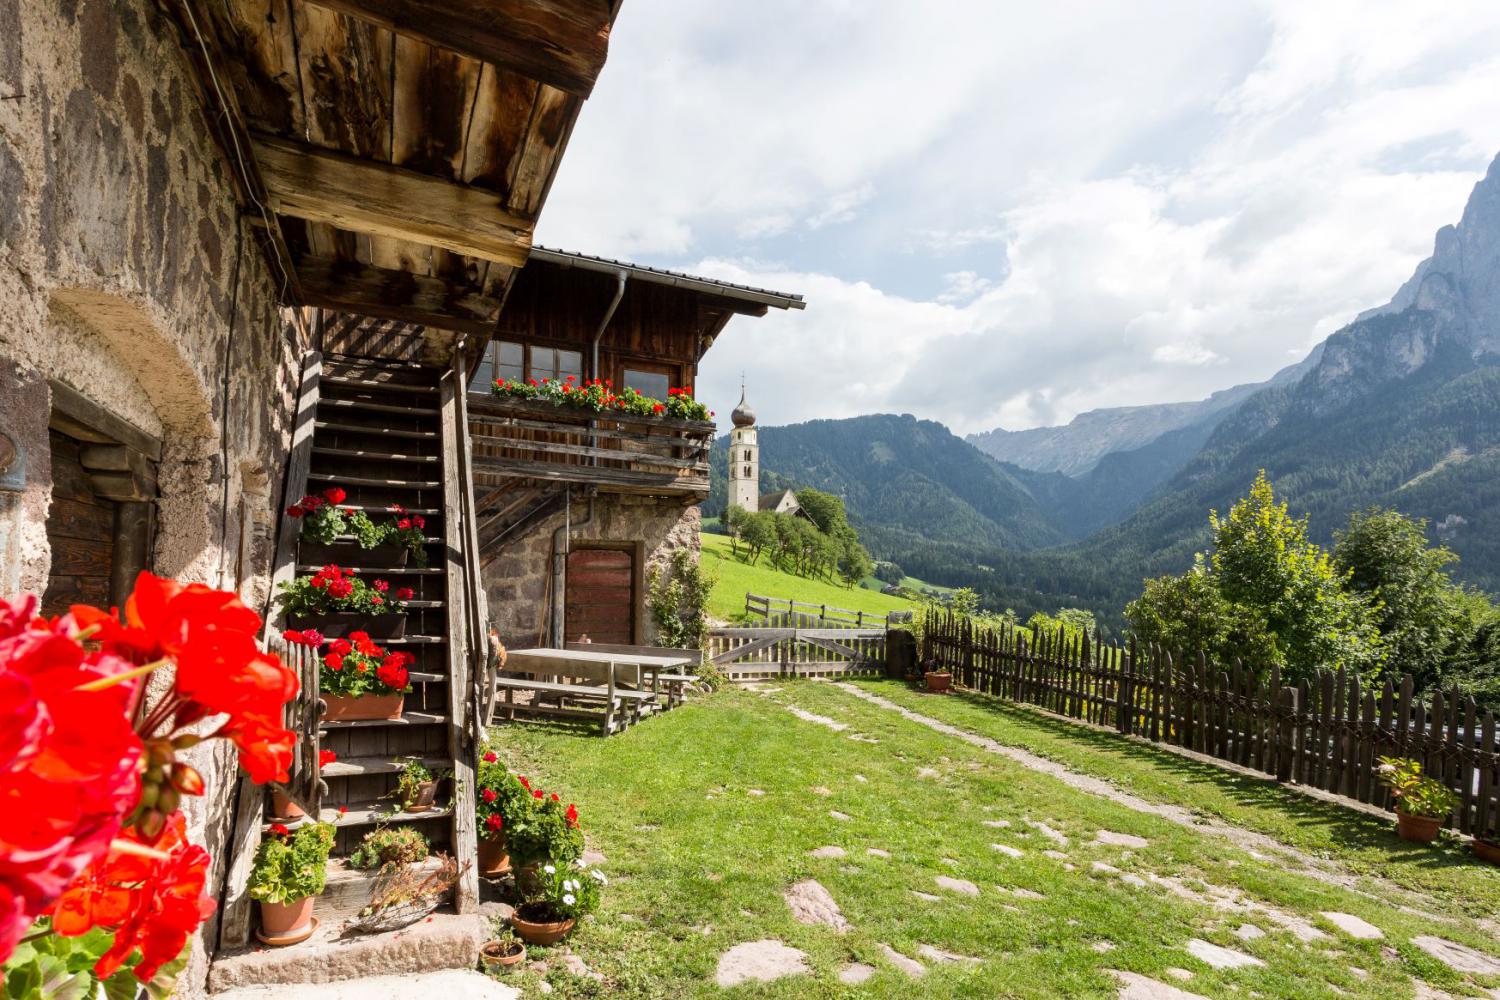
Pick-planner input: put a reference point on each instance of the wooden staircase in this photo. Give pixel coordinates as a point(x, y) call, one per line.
point(391, 434)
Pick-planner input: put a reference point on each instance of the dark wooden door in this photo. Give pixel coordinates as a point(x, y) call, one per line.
point(601, 595)
point(81, 531)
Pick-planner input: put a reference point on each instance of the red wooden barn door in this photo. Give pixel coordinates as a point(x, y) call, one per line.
point(601, 595)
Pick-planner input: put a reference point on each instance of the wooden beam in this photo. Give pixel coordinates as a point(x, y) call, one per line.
point(306, 182)
point(356, 287)
point(559, 42)
point(76, 415)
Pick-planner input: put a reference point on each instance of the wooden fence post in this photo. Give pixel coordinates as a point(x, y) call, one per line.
point(1287, 708)
point(1125, 688)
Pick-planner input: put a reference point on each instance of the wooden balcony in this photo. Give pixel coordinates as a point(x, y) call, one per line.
point(651, 456)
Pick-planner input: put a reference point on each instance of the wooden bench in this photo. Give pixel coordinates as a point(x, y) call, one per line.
point(620, 706)
point(660, 664)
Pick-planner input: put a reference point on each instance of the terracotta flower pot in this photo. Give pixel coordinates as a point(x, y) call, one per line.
point(493, 857)
point(500, 956)
point(533, 924)
point(342, 708)
point(283, 808)
point(286, 920)
point(939, 680)
point(426, 795)
point(1487, 850)
point(338, 624)
point(1417, 829)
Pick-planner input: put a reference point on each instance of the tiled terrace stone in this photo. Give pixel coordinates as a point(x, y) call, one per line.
point(910, 966)
point(812, 904)
point(450, 984)
point(1456, 956)
point(759, 961)
point(1353, 926)
point(1220, 958)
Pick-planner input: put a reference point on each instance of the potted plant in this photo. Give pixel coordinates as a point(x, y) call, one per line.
point(337, 602)
point(1422, 803)
point(1487, 849)
point(289, 873)
point(334, 534)
point(936, 678)
point(404, 894)
point(562, 895)
point(359, 680)
point(502, 954)
point(416, 787)
point(399, 845)
point(501, 802)
point(540, 829)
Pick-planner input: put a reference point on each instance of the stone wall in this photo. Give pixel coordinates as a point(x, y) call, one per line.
point(516, 582)
point(126, 273)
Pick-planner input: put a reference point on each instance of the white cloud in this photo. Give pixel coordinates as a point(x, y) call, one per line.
point(1005, 213)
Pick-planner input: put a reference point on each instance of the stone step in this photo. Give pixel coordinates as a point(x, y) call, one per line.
point(450, 984)
point(446, 941)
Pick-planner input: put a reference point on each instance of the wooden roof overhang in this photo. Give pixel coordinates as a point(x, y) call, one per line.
point(394, 154)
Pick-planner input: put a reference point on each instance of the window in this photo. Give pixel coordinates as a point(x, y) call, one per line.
point(747, 472)
point(502, 359)
point(554, 362)
point(653, 384)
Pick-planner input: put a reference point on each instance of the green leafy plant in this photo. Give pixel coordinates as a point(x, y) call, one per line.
point(291, 865)
point(400, 845)
point(54, 967)
point(357, 666)
point(334, 589)
point(501, 802)
point(1416, 794)
point(567, 891)
point(599, 396)
point(414, 774)
point(678, 601)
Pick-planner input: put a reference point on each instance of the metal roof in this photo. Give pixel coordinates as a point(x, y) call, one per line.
point(661, 276)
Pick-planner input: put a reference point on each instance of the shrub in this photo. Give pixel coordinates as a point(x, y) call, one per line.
point(500, 800)
point(357, 666)
point(1416, 794)
point(401, 845)
point(291, 865)
point(568, 891)
point(333, 589)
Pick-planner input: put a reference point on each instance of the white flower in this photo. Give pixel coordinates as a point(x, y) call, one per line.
point(550, 869)
point(599, 877)
point(569, 899)
point(570, 884)
point(578, 863)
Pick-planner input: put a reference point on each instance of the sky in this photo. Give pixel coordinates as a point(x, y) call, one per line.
point(1005, 214)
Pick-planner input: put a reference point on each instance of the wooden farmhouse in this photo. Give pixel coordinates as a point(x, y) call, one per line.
point(255, 249)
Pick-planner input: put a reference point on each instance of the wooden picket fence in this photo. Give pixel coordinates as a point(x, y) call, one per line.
point(1327, 732)
point(760, 606)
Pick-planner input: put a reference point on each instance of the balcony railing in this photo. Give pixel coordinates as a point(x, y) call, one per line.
point(520, 439)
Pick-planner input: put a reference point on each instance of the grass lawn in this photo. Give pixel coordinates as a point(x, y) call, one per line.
point(1362, 844)
point(734, 578)
point(709, 813)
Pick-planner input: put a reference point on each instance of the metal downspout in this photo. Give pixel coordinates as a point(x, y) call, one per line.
point(561, 545)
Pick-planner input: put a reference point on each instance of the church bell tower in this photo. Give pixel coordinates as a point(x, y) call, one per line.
point(744, 458)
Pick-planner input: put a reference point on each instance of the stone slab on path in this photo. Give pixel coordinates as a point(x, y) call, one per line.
point(1459, 957)
point(959, 885)
point(1006, 849)
point(855, 973)
point(1220, 957)
point(812, 904)
point(932, 954)
point(445, 941)
point(1353, 926)
point(821, 720)
point(830, 851)
point(876, 852)
point(760, 962)
point(450, 984)
point(910, 966)
point(1112, 839)
point(1134, 986)
point(1056, 836)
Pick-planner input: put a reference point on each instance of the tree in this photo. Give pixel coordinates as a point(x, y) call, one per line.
point(889, 573)
point(734, 519)
point(758, 532)
point(825, 509)
point(1072, 622)
point(1419, 610)
point(1264, 562)
point(854, 563)
point(1188, 617)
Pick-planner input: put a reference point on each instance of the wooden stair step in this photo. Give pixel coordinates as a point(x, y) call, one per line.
point(416, 640)
point(348, 767)
point(395, 484)
point(408, 718)
point(380, 508)
point(335, 425)
point(369, 384)
point(361, 404)
point(340, 359)
point(377, 571)
point(380, 811)
point(418, 604)
point(351, 538)
point(373, 456)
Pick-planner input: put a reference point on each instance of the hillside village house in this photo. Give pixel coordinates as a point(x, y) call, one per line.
point(250, 250)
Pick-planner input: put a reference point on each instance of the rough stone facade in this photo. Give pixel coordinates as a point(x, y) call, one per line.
point(127, 274)
point(516, 582)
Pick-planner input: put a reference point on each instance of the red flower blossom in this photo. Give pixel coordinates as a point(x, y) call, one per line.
point(489, 795)
point(279, 829)
point(536, 794)
point(340, 588)
point(419, 520)
point(555, 798)
point(392, 676)
point(342, 647)
point(490, 757)
point(659, 408)
point(524, 783)
point(333, 661)
point(326, 757)
point(295, 511)
point(494, 822)
point(381, 585)
point(572, 815)
point(404, 523)
point(405, 594)
point(335, 495)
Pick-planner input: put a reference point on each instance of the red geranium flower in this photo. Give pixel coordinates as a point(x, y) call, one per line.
point(326, 757)
point(343, 647)
point(405, 594)
point(419, 520)
point(335, 495)
point(333, 661)
point(295, 511)
point(490, 757)
point(572, 815)
point(404, 523)
point(381, 585)
point(494, 822)
point(536, 794)
point(279, 829)
point(489, 795)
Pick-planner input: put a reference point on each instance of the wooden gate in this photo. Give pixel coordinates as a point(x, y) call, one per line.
point(750, 654)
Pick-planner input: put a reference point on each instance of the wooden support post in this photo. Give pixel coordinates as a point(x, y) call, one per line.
point(1285, 733)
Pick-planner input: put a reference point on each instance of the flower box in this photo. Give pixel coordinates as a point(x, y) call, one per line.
point(341, 708)
point(338, 624)
point(351, 554)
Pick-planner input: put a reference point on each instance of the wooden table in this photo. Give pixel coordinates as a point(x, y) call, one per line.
point(625, 694)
